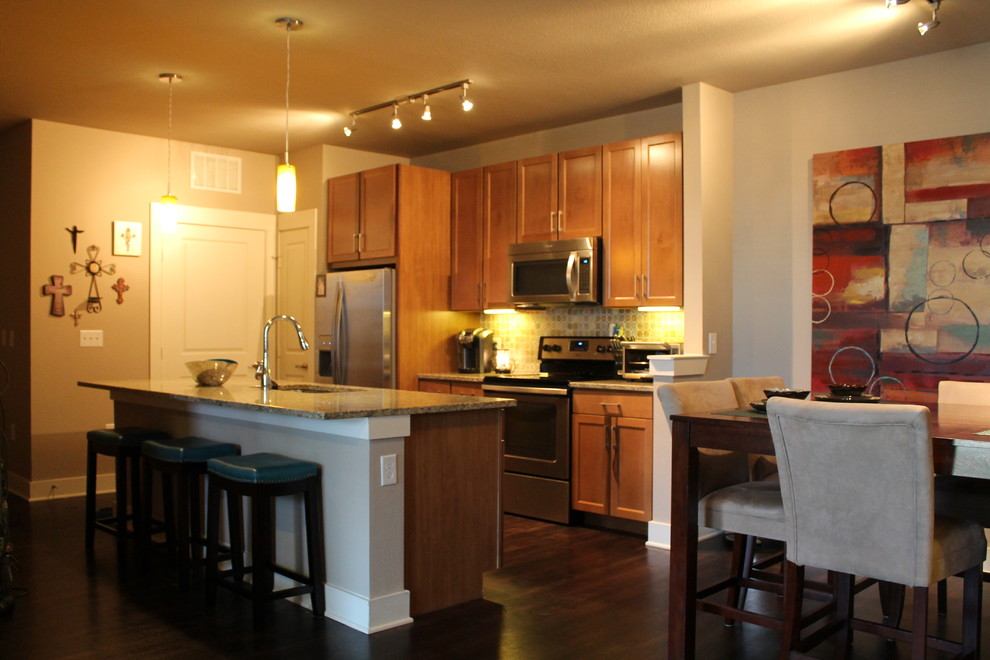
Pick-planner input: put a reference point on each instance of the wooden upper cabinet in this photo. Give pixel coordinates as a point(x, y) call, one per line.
point(343, 219)
point(642, 222)
point(560, 195)
point(663, 220)
point(467, 240)
point(500, 231)
point(361, 215)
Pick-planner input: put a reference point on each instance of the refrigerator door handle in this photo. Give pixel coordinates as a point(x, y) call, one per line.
point(338, 329)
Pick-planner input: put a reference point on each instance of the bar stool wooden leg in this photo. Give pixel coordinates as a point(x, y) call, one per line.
point(212, 538)
point(90, 498)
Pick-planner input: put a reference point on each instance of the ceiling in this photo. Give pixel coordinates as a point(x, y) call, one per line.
point(536, 64)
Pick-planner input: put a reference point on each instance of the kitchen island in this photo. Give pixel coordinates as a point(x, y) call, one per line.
point(393, 551)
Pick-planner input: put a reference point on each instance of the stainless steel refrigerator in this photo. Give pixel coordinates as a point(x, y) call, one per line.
point(355, 329)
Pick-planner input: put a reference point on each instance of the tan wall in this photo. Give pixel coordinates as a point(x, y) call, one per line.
point(91, 178)
point(16, 291)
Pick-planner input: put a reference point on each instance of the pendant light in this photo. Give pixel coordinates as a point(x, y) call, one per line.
point(285, 180)
point(169, 211)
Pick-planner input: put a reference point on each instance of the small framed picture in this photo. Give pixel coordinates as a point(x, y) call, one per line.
point(127, 239)
point(321, 286)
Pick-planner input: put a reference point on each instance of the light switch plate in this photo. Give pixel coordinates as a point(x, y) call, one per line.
point(91, 338)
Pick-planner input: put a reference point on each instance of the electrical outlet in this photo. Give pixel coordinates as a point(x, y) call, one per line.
point(712, 343)
point(91, 338)
point(389, 476)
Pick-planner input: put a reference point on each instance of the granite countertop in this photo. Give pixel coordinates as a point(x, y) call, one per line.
point(457, 377)
point(623, 385)
point(614, 385)
point(341, 403)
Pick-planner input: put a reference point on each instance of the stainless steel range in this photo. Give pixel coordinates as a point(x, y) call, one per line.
point(537, 477)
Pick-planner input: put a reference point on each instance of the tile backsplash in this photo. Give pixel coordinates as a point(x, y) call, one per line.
point(521, 332)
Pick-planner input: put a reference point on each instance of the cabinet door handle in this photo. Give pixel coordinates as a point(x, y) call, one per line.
point(302, 366)
point(617, 406)
point(615, 449)
point(355, 237)
point(646, 286)
point(636, 287)
point(560, 221)
point(608, 438)
point(362, 242)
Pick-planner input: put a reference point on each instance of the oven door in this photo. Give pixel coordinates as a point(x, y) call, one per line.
point(537, 430)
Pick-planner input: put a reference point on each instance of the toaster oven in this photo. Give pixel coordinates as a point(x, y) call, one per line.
point(635, 357)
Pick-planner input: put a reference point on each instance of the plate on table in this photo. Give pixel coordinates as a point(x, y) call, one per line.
point(759, 406)
point(863, 398)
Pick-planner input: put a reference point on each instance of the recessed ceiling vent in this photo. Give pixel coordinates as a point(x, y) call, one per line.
point(215, 172)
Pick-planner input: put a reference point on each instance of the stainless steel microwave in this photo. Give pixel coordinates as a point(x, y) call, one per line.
point(555, 272)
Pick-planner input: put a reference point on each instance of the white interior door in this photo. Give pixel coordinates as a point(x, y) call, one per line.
point(212, 289)
point(296, 295)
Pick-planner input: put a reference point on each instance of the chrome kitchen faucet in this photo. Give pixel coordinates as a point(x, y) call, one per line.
point(261, 370)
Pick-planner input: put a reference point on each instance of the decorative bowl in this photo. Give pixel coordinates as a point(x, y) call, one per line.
point(847, 390)
point(211, 372)
point(790, 394)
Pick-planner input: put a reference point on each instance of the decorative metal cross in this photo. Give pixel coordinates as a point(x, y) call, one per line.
point(120, 287)
point(94, 268)
point(57, 291)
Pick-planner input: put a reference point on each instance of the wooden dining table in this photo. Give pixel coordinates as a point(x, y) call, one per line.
point(958, 449)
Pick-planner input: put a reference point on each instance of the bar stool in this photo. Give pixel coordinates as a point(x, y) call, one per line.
point(185, 460)
point(124, 444)
point(263, 477)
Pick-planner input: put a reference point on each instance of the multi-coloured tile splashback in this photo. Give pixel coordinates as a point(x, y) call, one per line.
point(521, 332)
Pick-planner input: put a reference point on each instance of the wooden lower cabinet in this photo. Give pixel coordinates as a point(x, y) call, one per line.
point(612, 454)
point(449, 387)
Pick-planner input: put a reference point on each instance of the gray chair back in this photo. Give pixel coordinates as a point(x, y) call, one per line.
point(717, 469)
point(856, 481)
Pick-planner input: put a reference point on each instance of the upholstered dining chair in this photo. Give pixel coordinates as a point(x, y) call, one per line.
point(957, 496)
point(728, 499)
point(873, 465)
point(749, 389)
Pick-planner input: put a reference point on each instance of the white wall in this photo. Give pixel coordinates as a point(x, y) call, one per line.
point(777, 131)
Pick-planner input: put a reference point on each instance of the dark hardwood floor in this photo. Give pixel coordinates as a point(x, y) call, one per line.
point(563, 592)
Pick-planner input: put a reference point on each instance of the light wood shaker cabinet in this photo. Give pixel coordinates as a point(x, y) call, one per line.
point(643, 222)
point(361, 216)
point(466, 236)
point(560, 195)
point(483, 203)
point(612, 454)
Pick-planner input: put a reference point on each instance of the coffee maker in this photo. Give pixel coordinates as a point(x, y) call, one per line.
point(475, 350)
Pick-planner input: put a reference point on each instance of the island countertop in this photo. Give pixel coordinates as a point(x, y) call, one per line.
point(340, 402)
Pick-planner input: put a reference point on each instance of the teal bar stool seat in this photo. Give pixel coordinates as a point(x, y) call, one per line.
point(124, 445)
point(264, 477)
point(184, 461)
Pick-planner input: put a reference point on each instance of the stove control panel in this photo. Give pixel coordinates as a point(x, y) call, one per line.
point(579, 348)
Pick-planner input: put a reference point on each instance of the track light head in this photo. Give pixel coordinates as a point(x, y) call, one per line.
point(349, 130)
point(924, 27)
point(890, 4)
point(465, 101)
point(396, 122)
point(426, 108)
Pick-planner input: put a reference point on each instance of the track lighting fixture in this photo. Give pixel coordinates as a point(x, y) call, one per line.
point(349, 130)
point(923, 26)
point(396, 122)
point(427, 115)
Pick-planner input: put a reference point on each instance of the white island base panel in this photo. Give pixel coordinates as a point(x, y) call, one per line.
point(363, 520)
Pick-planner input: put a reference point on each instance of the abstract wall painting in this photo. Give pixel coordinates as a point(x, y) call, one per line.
point(901, 266)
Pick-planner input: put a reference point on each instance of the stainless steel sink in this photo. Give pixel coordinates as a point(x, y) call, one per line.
point(317, 389)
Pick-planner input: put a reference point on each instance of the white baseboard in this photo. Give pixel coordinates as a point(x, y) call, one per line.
point(45, 489)
point(658, 534)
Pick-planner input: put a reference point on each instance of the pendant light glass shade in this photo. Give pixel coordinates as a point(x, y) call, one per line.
point(285, 188)
point(169, 214)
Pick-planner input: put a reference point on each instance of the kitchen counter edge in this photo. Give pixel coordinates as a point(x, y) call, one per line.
point(353, 403)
